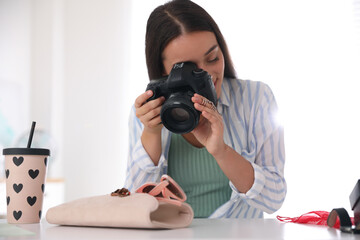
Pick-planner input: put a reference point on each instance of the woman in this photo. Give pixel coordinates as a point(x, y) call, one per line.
point(232, 164)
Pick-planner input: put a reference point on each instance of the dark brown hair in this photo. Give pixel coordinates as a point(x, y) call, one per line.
point(173, 19)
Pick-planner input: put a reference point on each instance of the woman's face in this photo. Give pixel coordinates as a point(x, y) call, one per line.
point(201, 48)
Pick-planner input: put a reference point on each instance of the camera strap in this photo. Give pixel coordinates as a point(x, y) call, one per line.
point(345, 222)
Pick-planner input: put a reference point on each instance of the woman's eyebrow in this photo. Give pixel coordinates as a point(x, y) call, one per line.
point(210, 49)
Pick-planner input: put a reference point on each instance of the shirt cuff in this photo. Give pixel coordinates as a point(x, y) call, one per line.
point(256, 188)
point(144, 162)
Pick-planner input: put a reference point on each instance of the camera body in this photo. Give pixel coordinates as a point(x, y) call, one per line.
point(355, 203)
point(178, 113)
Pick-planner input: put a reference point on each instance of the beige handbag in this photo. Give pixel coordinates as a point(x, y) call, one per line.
point(153, 205)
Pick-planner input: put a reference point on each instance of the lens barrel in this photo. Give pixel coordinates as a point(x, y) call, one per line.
point(178, 113)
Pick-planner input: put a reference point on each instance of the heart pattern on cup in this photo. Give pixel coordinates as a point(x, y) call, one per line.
point(17, 187)
point(18, 161)
point(20, 188)
point(33, 174)
point(17, 214)
point(31, 200)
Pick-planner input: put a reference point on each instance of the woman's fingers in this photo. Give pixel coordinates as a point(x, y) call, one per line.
point(141, 99)
point(148, 112)
point(203, 104)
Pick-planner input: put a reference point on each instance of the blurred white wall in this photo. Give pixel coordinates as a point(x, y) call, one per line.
point(71, 59)
point(96, 38)
point(15, 53)
point(81, 64)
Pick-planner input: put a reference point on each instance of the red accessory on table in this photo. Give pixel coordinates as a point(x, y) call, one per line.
point(314, 217)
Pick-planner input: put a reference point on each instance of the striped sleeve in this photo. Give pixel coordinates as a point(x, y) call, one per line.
point(140, 167)
point(269, 188)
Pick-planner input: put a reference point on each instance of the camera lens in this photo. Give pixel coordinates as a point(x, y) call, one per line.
point(179, 114)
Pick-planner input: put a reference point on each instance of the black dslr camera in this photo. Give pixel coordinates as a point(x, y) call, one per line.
point(355, 205)
point(178, 113)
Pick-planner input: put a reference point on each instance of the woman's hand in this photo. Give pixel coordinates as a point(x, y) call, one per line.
point(149, 112)
point(210, 129)
point(209, 133)
point(149, 115)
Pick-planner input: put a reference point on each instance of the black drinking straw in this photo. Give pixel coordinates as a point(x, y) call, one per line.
point(31, 134)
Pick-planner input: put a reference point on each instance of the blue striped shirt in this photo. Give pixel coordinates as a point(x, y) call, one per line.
point(249, 113)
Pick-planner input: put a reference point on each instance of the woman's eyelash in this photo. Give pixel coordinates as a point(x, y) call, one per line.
point(214, 60)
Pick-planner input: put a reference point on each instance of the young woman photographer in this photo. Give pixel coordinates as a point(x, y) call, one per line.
point(232, 164)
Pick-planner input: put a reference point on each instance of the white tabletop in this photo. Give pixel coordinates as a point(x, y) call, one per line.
point(199, 229)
